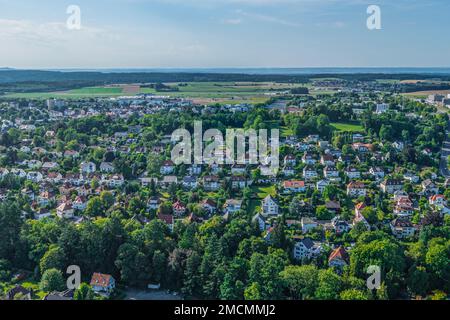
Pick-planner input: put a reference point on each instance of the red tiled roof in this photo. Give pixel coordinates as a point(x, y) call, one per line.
point(167, 218)
point(339, 253)
point(294, 184)
point(100, 279)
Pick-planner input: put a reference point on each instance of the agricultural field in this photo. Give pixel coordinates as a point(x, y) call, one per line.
point(199, 92)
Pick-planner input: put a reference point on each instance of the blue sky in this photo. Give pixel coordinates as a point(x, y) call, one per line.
point(224, 33)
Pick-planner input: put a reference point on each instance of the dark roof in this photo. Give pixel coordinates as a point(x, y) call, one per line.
point(307, 242)
point(17, 290)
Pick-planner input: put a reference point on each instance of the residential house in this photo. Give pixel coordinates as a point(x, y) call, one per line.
point(438, 200)
point(306, 249)
point(232, 205)
point(238, 182)
point(391, 185)
point(209, 206)
point(327, 160)
point(308, 224)
point(65, 210)
point(333, 206)
point(403, 205)
point(211, 183)
point(269, 206)
point(359, 218)
point(362, 147)
point(107, 167)
point(294, 186)
point(190, 182)
point(352, 173)
point(146, 181)
point(377, 172)
point(356, 189)
point(178, 208)
point(153, 203)
point(35, 176)
point(309, 158)
point(429, 187)
point(402, 228)
point(168, 180)
point(87, 167)
point(168, 167)
point(338, 258)
point(288, 171)
point(103, 284)
point(322, 184)
point(290, 160)
point(309, 172)
point(330, 172)
point(79, 203)
point(260, 220)
point(340, 226)
point(195, 169)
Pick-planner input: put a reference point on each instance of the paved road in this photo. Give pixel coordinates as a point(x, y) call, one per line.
point(445, 152)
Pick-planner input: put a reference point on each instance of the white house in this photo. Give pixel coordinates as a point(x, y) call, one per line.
point(34, 176)
point(321, 185)
point(330, 172)
point(107, 167)
point(87, 167)
point(232, 206)
point(308, 224)
point(382, 108)
point(65, 210)
point(309, 172)
point(402, 228)
point(391, 185)
point(352, 173)
point(306, 249)
point(269, 206)
point(356, 189)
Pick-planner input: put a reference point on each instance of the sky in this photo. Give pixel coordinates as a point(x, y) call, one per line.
point(224, 33)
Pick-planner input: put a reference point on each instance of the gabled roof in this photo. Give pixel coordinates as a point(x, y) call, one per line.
point(339, 253)
point(307, 242)
point(167, 218)
point(101, 280)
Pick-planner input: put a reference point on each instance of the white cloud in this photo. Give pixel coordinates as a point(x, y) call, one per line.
point(232, 21)
point(267, 18)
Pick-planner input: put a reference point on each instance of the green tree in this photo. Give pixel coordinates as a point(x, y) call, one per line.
point(301, 281)
point(84, 292)
point(54, 258)
point(354, 294)
point(330, 285)
point(418, 281)
point(52, 280)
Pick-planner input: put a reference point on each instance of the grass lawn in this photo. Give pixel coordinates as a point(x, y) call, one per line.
point(349, 127)
point(286, 132)
point(262, 192)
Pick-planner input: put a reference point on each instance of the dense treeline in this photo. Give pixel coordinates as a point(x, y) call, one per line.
point(219, 259)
